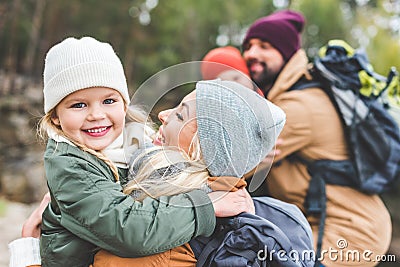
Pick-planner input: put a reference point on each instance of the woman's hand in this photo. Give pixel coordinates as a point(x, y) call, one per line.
point(232, 203)
point(31, 227)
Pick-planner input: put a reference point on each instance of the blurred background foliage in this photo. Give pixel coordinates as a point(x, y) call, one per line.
point(150, 35)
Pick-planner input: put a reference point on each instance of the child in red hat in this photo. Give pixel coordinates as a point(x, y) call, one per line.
point(227, 63)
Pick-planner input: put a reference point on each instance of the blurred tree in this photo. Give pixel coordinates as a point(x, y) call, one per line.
point(325, 20)
point(378, 32)
point(34, 36)
point(150, 35)
point(375, 27)
point(11, 57)
point(183, 31)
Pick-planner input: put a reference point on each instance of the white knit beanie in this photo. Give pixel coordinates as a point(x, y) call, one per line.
point(76, 64)
point(237, 127)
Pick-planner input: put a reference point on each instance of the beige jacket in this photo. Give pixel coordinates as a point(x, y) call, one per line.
point(355, 220)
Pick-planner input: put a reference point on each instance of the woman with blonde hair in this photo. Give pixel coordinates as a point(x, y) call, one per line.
point(217, 134)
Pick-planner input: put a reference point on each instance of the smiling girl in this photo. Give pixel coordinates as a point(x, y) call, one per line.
point(86, 101)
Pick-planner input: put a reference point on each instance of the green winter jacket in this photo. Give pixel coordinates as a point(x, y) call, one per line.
point(88, 211)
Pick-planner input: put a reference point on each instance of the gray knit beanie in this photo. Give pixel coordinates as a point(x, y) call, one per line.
point(237, 127)
point(76, 64)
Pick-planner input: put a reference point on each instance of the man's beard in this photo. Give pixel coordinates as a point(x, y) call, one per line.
point(265, 79)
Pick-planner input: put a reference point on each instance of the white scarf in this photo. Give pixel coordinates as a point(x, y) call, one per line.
point(135, 135)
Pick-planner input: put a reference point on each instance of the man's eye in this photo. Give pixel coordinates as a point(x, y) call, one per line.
point(265, 46)
point(78, 105)
point(179, 116)
point(109, 101)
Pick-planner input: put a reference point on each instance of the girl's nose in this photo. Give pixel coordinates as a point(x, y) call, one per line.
point(96, 113)
point(163, 115)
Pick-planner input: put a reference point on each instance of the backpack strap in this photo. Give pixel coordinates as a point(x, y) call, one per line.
point(315, 201)
point(247, 254)
point(211, 243)
point(319, 82)
point(207, 251)
point(315, 204)
point(322, 172)
point(304, 84)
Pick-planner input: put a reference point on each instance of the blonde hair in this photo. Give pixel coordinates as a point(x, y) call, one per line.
point(168, 171)
point(133, 114)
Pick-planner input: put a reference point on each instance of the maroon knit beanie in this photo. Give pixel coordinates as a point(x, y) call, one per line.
point(281, 29)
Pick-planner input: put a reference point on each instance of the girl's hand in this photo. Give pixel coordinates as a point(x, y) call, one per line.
point(31, 227)
point(232, 203)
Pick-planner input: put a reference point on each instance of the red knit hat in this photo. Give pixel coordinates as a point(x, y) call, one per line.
point(229, 57)
point(281, 29)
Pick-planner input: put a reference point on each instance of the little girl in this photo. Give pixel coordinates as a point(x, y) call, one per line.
point(85, 101)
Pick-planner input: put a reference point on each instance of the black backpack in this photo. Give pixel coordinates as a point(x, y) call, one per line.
point(278, 235)
point(372, 135)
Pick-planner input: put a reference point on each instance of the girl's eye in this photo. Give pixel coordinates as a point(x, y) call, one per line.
point(78, 105)
point(109, 101)
point(179, 116)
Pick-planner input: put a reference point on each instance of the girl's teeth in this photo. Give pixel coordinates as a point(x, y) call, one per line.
point(98, 130)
